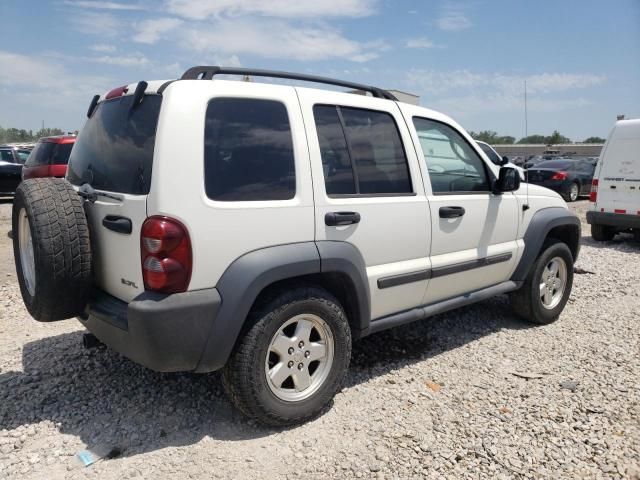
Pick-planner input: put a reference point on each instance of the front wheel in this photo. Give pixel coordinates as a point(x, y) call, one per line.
point(293, 360)
point(547, 288)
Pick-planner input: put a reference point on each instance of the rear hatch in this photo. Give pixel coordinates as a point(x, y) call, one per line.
point(114, 156)
point(619, 176)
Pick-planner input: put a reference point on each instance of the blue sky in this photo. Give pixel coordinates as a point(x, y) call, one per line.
point(467, 58)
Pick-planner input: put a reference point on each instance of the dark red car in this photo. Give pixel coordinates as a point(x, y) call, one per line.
point(49, 158)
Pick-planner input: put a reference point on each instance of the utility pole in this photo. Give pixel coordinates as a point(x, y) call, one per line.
point(526, 120)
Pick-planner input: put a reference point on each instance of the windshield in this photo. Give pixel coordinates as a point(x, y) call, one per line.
point(493, 156)
point(114, 150)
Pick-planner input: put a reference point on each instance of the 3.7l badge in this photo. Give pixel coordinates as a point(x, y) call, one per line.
point(128, 283)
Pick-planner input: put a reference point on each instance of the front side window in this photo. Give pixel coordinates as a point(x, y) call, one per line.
point(452, 164)
point(362, 152)
point(6, 156)
point(248, 151)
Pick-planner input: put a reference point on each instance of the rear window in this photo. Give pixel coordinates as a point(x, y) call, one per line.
point(48, 153)
point(114, 150)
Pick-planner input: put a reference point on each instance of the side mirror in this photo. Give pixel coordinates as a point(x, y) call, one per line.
point(508, 180)
point(505, 160)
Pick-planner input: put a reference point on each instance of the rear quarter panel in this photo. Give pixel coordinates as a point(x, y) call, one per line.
point(221, 232)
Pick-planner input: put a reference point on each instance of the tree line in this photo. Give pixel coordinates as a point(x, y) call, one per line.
point(20, 135)
point(492, 138)
point(11, 135)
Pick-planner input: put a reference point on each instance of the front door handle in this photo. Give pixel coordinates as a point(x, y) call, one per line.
point(334, 219)
point(117, 224)
point(451, 212)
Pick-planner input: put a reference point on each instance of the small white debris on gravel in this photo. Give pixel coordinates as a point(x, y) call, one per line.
point(437, 399)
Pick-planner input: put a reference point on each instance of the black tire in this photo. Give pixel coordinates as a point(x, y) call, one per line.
point(61, 249)
point(526, 301)
point(567, 194)
point(602, 233)
point(244, 375)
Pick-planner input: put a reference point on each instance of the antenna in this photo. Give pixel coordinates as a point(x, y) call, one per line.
point(526, 207)
point(526, 120)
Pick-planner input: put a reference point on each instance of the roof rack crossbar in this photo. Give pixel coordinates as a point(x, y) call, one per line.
point(207, 73)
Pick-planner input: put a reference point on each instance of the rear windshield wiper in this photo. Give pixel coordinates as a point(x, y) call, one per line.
point(90, 194)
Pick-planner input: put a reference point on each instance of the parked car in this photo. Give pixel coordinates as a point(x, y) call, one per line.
point(517, 160)
point(497, 159)
point(532, 161)
point(212, 236)
point(570, 178)
point(11, 163)
point(49, 158)
point(615, 191)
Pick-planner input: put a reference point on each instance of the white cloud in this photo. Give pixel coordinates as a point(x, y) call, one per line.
point(198, 9)
point(462, 93)
point(453, 18)
point(224, 61)
point(102, 5)
point(121, 60)
point(94, 23)
point(41, 77)
point(103, 47)
point(436, 82)
point(420, 42)
point(150, 31)
point(278, 39)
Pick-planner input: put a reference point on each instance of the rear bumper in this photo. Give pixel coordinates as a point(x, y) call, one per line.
point(619, 220)
point(166, 333)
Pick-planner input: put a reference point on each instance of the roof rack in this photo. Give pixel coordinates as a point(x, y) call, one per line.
point(207, 73)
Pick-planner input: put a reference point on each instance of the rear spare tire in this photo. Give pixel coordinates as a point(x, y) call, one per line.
point(51, 248)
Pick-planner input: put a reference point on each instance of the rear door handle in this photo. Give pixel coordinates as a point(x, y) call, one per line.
point(334, 219)
point(117, 224)
point(451, 212)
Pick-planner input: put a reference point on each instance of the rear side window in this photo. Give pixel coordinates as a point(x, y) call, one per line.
point(248, 151)
point(114, 150)
point(49, 153)
point(362, 153)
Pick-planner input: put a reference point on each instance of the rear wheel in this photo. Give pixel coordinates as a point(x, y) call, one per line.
point(573, 193)
point(293, 360)
point(547, 288)
point(51, 248)
point(602, 233)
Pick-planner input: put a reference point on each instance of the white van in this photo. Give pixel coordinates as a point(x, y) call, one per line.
point(615, 190)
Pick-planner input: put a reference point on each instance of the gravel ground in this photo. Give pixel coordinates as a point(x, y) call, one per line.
point(474, 393)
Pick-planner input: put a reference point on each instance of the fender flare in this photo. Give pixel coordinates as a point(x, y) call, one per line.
point(248, 275)
point(542, 222)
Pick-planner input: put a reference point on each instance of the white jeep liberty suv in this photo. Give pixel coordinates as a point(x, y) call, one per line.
point(210, 224)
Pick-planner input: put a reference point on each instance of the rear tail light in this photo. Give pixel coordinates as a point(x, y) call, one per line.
point(166, 255)
point(593, 195)
point(559, 176)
